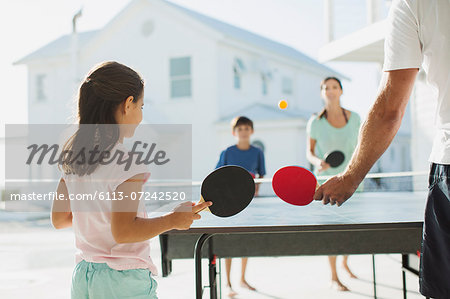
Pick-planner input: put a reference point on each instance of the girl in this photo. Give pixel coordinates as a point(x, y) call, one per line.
point(113, 258)
point(334, 128)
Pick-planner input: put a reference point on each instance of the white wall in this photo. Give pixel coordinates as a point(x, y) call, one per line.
point(124, 42)
point(305, 84)
point(397, 157)
point(284, 142)
point(213, 94)
point(231, 99)
point(2, 163)
point(307, 87)
point(59, 93)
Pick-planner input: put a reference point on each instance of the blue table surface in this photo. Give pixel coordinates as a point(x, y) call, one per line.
point(361, 208)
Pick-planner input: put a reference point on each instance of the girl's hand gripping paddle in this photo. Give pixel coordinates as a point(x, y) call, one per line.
point(230, 188)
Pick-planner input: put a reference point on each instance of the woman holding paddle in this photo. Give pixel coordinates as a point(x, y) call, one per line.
point(333, 130)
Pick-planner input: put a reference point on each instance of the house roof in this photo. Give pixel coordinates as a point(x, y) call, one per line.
point(61, 46)
point(262, 112)
point(252, 38)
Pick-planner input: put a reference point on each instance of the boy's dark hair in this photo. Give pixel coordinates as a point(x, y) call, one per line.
point(105, 87)
point(240, 121)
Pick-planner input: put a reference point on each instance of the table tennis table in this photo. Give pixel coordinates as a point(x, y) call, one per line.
point(368, 223)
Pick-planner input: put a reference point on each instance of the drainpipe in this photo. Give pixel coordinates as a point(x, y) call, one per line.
point(329, 20)
point(74, 49)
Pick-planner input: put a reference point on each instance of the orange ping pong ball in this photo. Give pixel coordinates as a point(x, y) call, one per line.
point(282, 104)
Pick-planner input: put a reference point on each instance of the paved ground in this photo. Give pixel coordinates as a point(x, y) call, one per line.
point(37, 262)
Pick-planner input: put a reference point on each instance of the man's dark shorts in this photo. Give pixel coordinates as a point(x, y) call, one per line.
point(435, 255)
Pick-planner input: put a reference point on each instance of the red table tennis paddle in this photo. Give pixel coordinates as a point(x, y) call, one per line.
point(295, 185)
point(230, 188)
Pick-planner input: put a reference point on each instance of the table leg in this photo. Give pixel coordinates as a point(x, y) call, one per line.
point(405, 263)
point(198, 264)
point(407, 267)
point(220, 278)
point(212, 270)
point(374, 277)
point(166, 264)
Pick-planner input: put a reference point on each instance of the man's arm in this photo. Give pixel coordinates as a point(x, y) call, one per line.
point(376, 135)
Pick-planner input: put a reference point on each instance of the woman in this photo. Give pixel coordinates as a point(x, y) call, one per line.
point(334, 128)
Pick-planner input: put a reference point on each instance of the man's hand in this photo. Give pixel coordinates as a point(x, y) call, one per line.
point(336, 190)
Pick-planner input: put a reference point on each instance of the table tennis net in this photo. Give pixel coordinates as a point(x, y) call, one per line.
point(165, 193)
point(374, 182)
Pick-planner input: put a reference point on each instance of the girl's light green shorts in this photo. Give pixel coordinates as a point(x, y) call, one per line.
point(98, 281)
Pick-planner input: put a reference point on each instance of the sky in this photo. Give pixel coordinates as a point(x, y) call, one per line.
point(26, 25)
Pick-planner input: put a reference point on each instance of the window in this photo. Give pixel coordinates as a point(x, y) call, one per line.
point(286, 85)
point(259, 144)
point(237, 79)
point(238, 69)
point(264, 81)
point(405, 158)
point(392, 154)
point(147, 28)
point(180, 77)
point(40, 88)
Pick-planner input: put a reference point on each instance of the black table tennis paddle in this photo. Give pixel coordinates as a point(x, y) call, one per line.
point(230, 188)
point(335, 158)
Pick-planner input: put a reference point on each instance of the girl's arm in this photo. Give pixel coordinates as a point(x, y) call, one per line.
point(61, 212)
point(126, 227)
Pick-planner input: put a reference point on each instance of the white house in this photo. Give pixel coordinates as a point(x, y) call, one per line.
point(198, 71)
point(367, 45)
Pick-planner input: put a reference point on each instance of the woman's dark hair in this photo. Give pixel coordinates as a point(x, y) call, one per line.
point(106, 86)
point(324, 81)
point(240, 121)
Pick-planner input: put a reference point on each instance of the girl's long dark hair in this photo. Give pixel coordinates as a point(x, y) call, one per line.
point(324, 110)
point(106, 86)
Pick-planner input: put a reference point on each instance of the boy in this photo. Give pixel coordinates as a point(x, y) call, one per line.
point(252, 159)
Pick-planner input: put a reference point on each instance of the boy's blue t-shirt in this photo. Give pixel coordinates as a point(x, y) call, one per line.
point(252, 159)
